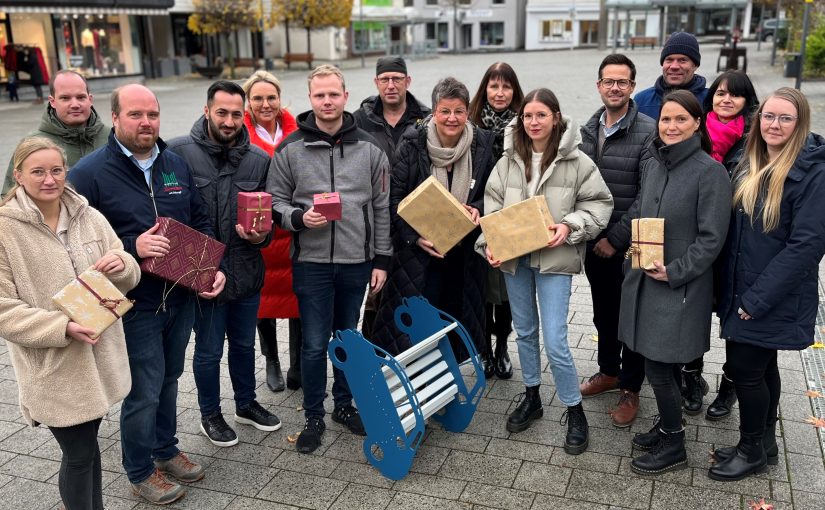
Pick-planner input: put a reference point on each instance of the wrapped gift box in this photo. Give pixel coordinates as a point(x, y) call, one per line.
point(436, 215)
point(193, 258)
point(518, 229)
point(647, 242)
point(92, 301)
point(328, 204)
point(255, 211)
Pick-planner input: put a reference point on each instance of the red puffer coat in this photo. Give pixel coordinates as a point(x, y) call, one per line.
point(277, 299)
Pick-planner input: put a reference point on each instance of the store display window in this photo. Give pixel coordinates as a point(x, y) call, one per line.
point(97, 44)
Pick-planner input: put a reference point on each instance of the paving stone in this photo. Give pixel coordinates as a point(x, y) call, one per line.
point(801, 438)
point(31, 468)
point(361, 473)
point(718, 437)
point(249, 453)
point(667, 496)
point(363, 498)
point(26, 440)
point(780, 491)
point(606, 488)
point(542, 478)
point(237, 478)
point(241, 503)
point(302, 489)
point(795, 407)
point(9, 412)
point(7, 429)
point(457, 440)
point(806, 473)
point(546, 431)
point(311, 464)
point(546, 502)
point(197, 444)
point(590, 461)
point(21, 494)
point(488, 424)
point(519, 450)
point(807, 500)
point(198, 498)
point(749, 485)
point(475, 467)
point(505, 389)
point(610, 441)
point(428, 485)
point(496, 497)
point(113, 503)
point(8, 391)
point(682, 476)
point(429, 459)
point(347, 447)
point(407, 501)
point(6, 456)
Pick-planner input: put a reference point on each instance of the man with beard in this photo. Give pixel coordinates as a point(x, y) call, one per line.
point(70, 121)
point(332, 261)
point(224, 163)
point(679, 60)
point(131, 181)
point(615, 138)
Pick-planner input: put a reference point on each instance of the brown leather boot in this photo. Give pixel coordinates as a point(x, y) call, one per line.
point(625, 412)
point(598, 384)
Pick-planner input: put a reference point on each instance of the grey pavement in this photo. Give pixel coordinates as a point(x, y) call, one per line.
point(484, 467)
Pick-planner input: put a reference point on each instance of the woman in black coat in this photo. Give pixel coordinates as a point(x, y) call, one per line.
point(769, 269)
point(458, 153)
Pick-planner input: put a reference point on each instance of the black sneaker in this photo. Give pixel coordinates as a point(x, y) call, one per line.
point(218, 431)
point(310, 438)
point(348, 416)
point(258, 417)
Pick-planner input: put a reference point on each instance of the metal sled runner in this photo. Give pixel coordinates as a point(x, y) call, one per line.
point(395, 395)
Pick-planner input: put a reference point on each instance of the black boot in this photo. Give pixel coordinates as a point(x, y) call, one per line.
point(646, 441)
point(293, 374)
point(695, 388)
point(668, 455)
point(268, 336)
point(578, 436)
point(487, 362)
point(274, 377)
point(722, 404)
point(503, 366)
point(527, 411)
point(768, 445)
point(749, 458)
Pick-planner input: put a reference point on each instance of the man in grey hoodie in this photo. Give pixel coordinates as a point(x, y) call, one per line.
point(332, 261)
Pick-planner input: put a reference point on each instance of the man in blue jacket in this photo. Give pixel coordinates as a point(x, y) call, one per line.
point(133, 180)
point(680, 58)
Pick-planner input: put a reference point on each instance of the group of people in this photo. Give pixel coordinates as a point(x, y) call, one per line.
point(736, 180)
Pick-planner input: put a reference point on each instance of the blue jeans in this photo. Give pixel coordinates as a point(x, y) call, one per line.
point(329, 299)
point(553, 292)
point(156, 344)
point(234, 320)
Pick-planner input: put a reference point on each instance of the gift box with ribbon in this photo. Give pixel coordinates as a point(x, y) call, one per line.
point(328, 204)
point(647, 242)
point(518, 229)
point(255, 211)
point(193, 257)
point(437, 216)
point(92, 301)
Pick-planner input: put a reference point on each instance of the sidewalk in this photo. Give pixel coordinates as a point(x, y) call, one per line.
point(485, 467)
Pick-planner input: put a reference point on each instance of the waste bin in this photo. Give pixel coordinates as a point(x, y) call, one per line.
point(792, 62)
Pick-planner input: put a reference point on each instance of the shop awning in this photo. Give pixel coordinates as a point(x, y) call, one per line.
point(138, 7)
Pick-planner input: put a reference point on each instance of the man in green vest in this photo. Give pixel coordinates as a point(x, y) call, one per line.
point(70, 120)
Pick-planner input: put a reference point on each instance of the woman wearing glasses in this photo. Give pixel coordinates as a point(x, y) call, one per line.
point(68, 381)
point(459, 155)
point(769, 267)
point(268, 124)
point(495, 104)
point(666, 311)
point(542, 158)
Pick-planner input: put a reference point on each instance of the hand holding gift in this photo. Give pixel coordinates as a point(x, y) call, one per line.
point(313, 219)
point(428, 247)
point(217, 286)
point(253, 236)
point(109, 264)
point(255, 212)
point(150, 245)
point(82, 334)
point(328, 205)
point(560, 233)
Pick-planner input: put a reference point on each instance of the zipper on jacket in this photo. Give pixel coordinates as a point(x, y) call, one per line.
point(332, 186)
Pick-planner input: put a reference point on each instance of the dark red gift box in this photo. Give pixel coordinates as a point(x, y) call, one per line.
point(193, 258)
point(255, 211)
point(328, 204)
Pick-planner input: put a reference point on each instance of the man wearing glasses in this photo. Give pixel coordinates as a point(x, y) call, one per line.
point(614, 139)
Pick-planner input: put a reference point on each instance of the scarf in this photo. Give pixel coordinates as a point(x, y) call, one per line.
point(723, 136)
point(496, 122)
point(452, 159)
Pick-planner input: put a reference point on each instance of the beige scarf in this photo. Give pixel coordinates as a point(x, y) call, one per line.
point(452, 159)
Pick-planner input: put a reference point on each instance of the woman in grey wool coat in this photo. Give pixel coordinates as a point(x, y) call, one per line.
point(666, 312)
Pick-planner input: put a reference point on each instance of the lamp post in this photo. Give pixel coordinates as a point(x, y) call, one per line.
point(361, 31)
point(805, 20)
point(775, 33)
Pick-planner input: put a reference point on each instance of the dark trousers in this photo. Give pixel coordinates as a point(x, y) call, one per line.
point(80, 477)
point(756, 376)
point(499, 322)
point(268, 336)
point(615, 358)
point(668, 396)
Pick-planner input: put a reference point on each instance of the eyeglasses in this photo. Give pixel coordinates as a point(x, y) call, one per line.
point(445, 113)
point(784, 120)
point(396, 80)
point(540, 117)
point(58, 173)
point(260, 100)
point(622, 84)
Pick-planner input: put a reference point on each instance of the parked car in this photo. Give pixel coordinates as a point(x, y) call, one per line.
point(769, 28)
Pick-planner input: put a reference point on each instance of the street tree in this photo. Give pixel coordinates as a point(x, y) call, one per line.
point(311, 15)
point(225, 18)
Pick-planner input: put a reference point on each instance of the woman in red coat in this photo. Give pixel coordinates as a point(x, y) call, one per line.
point(268, 124)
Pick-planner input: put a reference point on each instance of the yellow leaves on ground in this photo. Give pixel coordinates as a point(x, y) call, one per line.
point(816, 422)
point(814, 394)
point(818, 345)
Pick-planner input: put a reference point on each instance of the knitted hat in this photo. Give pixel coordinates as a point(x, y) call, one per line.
point(390, 64)
point(681, 43)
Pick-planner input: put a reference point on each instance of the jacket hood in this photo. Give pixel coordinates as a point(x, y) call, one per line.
point(49, 123)
point(568, 146)
point(696, 85)
point(233, 154)
point(372, 107)
point(306, 123)
point(23, 209)
point(813, 153)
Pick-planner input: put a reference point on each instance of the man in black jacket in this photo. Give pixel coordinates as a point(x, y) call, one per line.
point(224, 162)
point(614, 138)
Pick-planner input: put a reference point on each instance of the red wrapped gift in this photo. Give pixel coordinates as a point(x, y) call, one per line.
point(193, 258)
point(255, 211)
point(328, 204)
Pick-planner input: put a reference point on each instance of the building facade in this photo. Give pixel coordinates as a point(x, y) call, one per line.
point(470, 25)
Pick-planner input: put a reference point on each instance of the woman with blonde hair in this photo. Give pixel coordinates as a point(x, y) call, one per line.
point(268, 124)
point(67, 380)
point(768, 292)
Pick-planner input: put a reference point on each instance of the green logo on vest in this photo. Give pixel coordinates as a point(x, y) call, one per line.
point(170, 182)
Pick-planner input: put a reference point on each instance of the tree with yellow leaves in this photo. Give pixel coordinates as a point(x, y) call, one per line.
point(225, 17)
point(311, 15)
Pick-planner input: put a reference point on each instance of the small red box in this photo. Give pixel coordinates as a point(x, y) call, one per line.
point(328, 204)
point(255, 211)
point(193, 258)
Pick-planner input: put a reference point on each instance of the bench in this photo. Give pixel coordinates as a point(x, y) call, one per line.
point(289, 58)
point(642, 41)
point(732, 56)
point(395, 395)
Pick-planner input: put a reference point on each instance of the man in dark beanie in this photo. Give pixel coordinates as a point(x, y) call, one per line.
point(386, 117)
point(680, 58)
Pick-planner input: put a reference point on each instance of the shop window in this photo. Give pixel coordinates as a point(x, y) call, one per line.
point(97, 45)
point(492, 34)
point(4, 40)
point(430, 31)
point(408, 3)
point(442, 35)
point(556, 29)
point(432, 2)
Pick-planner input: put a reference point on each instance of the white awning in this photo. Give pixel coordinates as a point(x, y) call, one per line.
point(83, 10)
